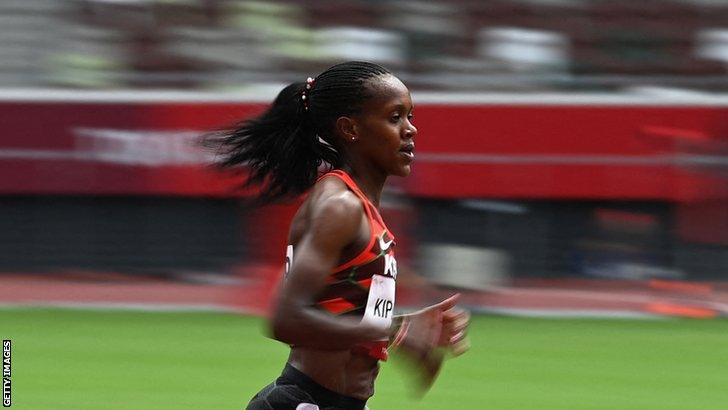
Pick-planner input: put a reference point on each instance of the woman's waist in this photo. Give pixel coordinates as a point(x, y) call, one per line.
point(346, 372)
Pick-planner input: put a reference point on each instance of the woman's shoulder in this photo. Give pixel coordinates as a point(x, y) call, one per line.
point(329, 208)
point(331, 198)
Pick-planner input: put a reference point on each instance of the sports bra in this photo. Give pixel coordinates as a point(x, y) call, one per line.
point(364, 286)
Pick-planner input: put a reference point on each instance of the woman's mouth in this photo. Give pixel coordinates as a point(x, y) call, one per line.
point(408, 151)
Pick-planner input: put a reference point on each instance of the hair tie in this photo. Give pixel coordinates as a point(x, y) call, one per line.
point(304, 97)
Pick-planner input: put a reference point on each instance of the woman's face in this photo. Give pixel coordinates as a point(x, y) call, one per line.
point(384, 127)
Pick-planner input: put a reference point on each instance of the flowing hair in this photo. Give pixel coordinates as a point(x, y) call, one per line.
point(283, 148)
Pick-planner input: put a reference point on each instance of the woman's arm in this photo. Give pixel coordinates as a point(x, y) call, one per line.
point(335, 223)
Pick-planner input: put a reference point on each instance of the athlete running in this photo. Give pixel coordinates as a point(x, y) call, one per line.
point(335, 307)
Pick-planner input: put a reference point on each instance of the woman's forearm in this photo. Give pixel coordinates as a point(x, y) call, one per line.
point(310, 327)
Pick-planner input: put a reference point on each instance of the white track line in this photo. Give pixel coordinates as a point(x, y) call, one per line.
point(151, 307)
point(610, 297)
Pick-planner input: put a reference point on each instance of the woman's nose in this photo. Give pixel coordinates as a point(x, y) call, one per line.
point(411, 131)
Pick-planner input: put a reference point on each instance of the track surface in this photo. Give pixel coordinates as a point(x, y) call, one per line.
point(251, 293)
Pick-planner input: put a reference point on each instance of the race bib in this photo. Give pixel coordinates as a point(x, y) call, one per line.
point(380, 303)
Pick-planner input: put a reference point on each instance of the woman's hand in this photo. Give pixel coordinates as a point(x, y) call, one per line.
point(441, 325)
point(455, 321)
point(424, 337)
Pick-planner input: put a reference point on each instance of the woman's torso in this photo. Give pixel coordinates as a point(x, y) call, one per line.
point(350, 372)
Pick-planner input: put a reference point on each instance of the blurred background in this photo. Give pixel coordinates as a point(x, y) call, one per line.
point(572, 156)
point(459, 45)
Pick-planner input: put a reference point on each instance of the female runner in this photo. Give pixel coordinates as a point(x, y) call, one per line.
point(335, 306)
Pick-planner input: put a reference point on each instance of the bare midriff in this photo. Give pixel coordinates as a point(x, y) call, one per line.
point(342, 371)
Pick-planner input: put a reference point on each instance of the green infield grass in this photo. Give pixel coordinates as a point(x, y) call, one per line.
point(78, 359)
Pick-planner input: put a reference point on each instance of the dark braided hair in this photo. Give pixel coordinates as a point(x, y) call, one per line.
point(284, 147)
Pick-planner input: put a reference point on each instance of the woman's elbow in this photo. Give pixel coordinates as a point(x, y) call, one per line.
point(280, 327)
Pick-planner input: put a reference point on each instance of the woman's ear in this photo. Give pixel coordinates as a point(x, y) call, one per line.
point(346, 127)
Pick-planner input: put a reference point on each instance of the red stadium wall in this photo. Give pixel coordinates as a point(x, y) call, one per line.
point(594, 152)
point(547, 151)
point(49, 148)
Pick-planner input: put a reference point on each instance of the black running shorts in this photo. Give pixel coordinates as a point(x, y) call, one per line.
point(296, 391)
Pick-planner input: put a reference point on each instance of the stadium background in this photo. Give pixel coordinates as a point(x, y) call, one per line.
point(572, 161)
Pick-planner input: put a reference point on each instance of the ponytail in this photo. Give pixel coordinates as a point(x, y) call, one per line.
point(284, 147)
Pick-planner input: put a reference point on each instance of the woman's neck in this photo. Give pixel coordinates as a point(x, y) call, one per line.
point(370, 183)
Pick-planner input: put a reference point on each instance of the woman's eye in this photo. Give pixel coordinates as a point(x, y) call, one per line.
point(395, 118)
point(410, 116)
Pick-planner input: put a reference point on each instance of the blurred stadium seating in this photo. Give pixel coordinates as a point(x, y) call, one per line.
point(436, 45)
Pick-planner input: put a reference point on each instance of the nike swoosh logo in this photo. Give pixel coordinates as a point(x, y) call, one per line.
point(384, 245)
